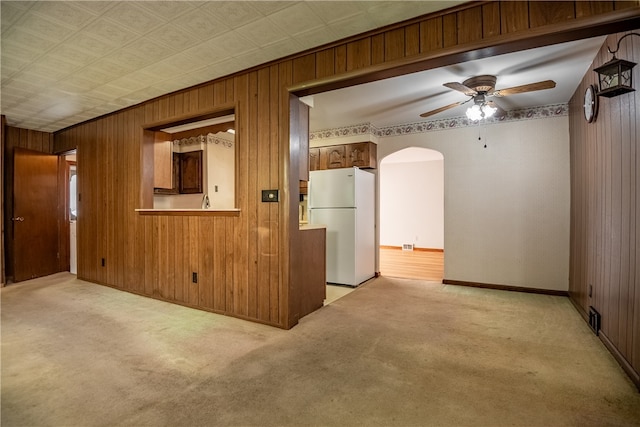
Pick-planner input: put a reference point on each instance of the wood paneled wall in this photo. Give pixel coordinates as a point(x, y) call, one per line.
point(605, 209)
point(21, 138)
point(243, 262)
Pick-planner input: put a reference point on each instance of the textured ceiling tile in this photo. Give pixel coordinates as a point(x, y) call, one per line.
point(130, 59)
point(90, 43)
point(10, 12)
point(262, 32)
point(296, 19)
point(109, 32)
point(108, 92)
point(352, 25)
point(316, 37)
point(269, 7)
point(174, 37)
point(330, 11)
point(190, 60)
point(201, 25)
point(209, 51)
point(54, 67)
point(97, 7)
point(135, 18)
point(233, 13)
point(24, 39)
point(114, 68)
point(168, 10)
point(69, 53)
point(53, 32)
point(66, 13)
point(149, 50)
point(233, 44)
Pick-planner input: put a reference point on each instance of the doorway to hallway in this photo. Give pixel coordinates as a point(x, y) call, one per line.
point(412, 214)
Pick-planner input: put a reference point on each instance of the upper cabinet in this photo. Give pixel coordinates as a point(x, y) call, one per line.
point(360, 154)
point(191, 172)
point(162, 161)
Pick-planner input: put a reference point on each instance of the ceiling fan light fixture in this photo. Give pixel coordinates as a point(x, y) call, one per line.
point(478, 112)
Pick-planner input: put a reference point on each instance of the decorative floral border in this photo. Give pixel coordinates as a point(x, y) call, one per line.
point(541, 112)
point(210, 138)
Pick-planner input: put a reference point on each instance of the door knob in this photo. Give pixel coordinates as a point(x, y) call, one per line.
point(18, 218)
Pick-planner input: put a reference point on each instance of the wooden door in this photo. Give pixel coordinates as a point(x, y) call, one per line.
point(35, 214)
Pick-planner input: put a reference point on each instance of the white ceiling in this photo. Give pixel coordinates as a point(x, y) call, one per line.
point(402, 99)
point(67, 62)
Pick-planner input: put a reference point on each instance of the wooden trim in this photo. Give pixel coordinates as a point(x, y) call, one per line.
point(625, 19)
point(189, 212)
point(219, 111)
point(506, 288)
point(626, 366)
point(415, 249)
point(3, 122)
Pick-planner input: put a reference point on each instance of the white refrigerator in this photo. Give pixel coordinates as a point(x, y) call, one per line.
point(344, 201)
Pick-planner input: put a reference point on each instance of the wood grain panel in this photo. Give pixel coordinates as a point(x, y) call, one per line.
point(469, 22)
point(591, 8)
point(358, 54)
point(605, 211)
point(325, 63)
point(394, 44)
point(412, 40)
point(449, 30)
point(490, 20)
point(377, 49)
point(545, 12)
point(304, 68)
point(514, 16)
point(340, 59)
point(431, 36)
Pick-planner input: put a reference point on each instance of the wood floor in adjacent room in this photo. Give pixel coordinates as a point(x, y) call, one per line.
point(416, 264)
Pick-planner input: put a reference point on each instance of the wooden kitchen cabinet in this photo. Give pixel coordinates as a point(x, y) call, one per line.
point(162, 161)
point(362, 155)
point(314, 159)
point(333, 157)
point(186, 174)
point(191, 172)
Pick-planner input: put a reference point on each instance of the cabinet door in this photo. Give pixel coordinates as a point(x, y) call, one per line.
point(162, 161)
point(314, 159)
point(191, 172)
point(362, 155)
point(333, 157)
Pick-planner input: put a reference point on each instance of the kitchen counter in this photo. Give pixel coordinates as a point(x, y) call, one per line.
point(190, 212)
point(306, 226)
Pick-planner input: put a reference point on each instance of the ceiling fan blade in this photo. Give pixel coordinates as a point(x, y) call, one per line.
point(441, 109)
point(499, 111)
point(461, 88)
point(531, 87)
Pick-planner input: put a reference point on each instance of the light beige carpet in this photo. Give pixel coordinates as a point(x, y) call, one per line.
point(392, 353)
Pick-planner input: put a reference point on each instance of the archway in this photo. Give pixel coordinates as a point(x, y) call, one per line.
point(411, 186)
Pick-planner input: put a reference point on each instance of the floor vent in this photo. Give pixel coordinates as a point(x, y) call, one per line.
point(594, 320)
point(407, 247)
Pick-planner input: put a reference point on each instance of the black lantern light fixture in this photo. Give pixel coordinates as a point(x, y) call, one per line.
point(615, 76)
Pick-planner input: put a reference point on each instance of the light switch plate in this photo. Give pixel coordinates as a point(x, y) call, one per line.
point(270, 195)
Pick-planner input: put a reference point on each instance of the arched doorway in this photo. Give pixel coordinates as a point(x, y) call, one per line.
point(412, 214)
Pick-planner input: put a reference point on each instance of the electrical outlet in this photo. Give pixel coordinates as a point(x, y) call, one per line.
point(194, 277)
point(590, 291)
point(103, 262)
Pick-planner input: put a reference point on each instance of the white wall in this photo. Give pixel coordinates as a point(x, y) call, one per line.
point(412, 203)
point(506, 206)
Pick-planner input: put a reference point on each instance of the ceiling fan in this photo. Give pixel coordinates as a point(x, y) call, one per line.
point(479, 88)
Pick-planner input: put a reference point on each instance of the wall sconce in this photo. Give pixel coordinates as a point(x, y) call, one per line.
point(615, 77)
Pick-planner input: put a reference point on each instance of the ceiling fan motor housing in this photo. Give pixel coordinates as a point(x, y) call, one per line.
point(481, 84)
